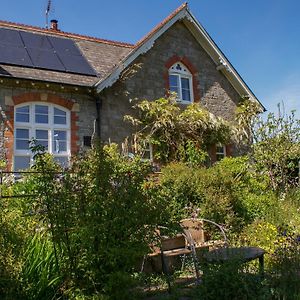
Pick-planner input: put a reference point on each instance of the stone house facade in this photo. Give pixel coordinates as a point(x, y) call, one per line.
point(62, 109)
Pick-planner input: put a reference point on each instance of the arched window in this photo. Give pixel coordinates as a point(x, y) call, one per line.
point(48, 124)
point(180, 82)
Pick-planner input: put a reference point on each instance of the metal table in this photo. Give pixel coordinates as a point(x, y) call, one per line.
point(240, 254)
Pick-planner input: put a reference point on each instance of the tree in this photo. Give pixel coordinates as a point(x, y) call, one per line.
point(276, 147)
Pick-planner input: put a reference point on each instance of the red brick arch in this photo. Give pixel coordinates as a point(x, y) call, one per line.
point(184, 60)
point(36, 97)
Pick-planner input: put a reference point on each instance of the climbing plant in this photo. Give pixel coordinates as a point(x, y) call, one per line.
point(178, 134)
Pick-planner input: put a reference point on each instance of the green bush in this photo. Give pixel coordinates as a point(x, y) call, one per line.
point(229, 192)
point(285, 266)
point(231, 281)
point(99, 215)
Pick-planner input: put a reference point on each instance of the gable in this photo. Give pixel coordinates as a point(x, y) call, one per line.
point(201, 36)
point(177, 44)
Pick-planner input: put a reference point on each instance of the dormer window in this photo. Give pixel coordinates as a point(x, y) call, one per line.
point(180, 82)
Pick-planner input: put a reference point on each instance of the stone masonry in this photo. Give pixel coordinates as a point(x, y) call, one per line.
point(150, 82)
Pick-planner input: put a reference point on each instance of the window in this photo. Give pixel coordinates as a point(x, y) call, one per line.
point(48, 124)
point(180, 82)
point(147, 154)
point(220, 152)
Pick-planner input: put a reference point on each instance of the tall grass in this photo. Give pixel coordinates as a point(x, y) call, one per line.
point(40, 271)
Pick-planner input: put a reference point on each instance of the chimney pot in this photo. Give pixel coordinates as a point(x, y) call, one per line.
point(54, 25)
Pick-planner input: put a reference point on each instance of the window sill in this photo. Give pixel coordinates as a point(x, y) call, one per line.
point(184, 102)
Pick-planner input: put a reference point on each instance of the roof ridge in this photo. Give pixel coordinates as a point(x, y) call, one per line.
point(162, 23)
point(65, 34)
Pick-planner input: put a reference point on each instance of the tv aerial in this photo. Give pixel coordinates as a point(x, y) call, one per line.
point(47, 12)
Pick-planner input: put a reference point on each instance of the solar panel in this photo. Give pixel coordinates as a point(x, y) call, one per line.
point(46, 59)
point(35, 50)
point(65, 46)
point(10, 37)
point(34, 40)
point(15, 56)
point(76, 64)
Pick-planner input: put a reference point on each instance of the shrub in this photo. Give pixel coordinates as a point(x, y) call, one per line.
point(231, 281)
point(284, 268)
point(99, 216)
point(229, 192)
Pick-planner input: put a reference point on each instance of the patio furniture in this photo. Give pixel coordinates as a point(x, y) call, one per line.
point(195, 231)
point(240, 254)
point(170, 248)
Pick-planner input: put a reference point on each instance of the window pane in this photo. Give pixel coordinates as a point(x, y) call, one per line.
point(42, 138)
point(23, 109)
point(59, 146)
point(22, 133)
point(59, 141)
point(22, 144)
point(41, 119)
point(60, 134)
point(60, 120)
point(60, 116)
point(220, 149)
point(173, 80)
point(59, 112)
point(41, 109)
point(21, 162)
point(41, 134)
point(186, 95)
point(22, 117)
point(185, 83)
point(22, 114)
point(41, 114)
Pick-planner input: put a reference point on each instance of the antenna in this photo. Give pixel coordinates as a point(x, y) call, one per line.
point(48, 8)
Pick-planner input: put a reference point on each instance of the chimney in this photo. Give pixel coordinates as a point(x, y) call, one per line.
point(53, 25)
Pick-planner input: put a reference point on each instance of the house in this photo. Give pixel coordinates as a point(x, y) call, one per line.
point(61, 88)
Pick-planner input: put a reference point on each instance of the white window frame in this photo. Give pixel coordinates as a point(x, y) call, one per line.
point(148, 149)
point(220, 153)
point(32, 126)
point(181, 71)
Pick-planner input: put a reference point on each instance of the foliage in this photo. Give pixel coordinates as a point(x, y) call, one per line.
point(276, 149)
point(228, 193)
point(172, 130)
point(231, 281)
point(12, 238)
point(285, 265)
point(95, 214)
point(246, 115)
point(40, 272)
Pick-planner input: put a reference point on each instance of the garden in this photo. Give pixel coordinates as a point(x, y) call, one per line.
point(83, 232)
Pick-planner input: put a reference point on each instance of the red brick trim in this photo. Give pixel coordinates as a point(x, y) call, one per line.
point(184, 60)
point(212, 152)
point(9, 136)
point(38, 97)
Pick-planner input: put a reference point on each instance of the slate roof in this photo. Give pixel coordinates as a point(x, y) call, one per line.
point(103, 56)
point(109, 58)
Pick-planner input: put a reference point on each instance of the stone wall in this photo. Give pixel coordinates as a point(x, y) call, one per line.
point(151, 82)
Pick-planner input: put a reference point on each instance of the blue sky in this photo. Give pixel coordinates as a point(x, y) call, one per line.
point(259, 37)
